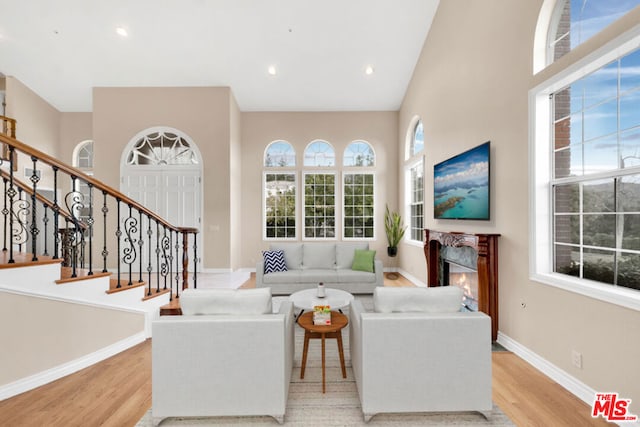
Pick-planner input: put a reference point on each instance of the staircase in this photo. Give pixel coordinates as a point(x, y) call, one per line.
point(97, 248)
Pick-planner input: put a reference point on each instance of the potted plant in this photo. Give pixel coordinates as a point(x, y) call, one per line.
point(395, 229)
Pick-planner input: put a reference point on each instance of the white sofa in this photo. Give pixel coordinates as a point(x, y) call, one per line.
point(311, 263)
point(235, 362)
point(419, 353)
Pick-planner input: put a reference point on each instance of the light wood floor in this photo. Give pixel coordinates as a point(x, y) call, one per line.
point(117, 392)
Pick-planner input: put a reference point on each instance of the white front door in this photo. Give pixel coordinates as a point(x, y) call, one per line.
point(161, 169)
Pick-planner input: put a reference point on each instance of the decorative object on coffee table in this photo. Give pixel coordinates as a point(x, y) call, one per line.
point(334, 330)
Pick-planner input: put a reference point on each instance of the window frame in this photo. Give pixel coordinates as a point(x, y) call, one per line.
point(541, 262)
point(344, 205)
point(276, 171)
point(336, 196)
point(409, 190)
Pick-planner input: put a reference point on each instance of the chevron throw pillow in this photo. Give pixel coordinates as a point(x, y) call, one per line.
point(274, 261)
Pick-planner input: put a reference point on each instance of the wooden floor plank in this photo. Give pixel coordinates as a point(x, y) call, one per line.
point(117, 392)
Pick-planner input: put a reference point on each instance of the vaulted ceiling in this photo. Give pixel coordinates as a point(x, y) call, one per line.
point(318, 51)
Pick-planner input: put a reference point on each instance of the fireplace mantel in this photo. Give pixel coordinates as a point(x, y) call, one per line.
point(486, 245)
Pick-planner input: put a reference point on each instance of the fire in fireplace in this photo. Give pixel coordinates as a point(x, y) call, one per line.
point(467, 279)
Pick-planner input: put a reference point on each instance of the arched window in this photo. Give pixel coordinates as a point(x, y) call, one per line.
point(417, 139)
point(359, 153)
point(279, 154)
point(319, 153)
point(83, 159)
point(358, 190)
point(414, 180)
point(575, 21)
point(83, 155)
point(161, 148)
point(279, 191)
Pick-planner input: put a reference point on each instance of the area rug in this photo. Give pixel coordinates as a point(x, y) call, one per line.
point(307, 406)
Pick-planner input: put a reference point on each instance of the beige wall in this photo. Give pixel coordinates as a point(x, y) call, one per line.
point(235, 188)
point(48, 333)
point(38, 124)
point(469, 87)
point(74, 129)
point(203, 113)
point(340, 128)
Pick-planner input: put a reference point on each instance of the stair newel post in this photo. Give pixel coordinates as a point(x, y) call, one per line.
point(177, 247)
point(56, 215)
point(105, 211)
point(12, 194)
point(45, 221)
point(140, 244)
point(149, 267)
point(195, 260)
point(169, 261)
point(74, 203)
point(35, 178)
point(5, 212)
point(118, 235)
point(90, 222)
point(185, 260)
point(158, 268)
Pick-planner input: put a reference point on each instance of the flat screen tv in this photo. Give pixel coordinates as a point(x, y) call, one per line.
point(461, 185)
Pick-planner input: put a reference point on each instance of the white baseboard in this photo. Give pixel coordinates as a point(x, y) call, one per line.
point(575, 386)
point(215, 270)
point(412, 278)
point(45, 377)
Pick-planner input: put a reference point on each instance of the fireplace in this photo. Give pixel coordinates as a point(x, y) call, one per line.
point(449, 251)
point(466, 279)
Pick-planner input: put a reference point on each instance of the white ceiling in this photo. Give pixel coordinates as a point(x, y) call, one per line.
point(61, 49)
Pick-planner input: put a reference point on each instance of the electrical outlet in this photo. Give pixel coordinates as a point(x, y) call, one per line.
point(576, 359)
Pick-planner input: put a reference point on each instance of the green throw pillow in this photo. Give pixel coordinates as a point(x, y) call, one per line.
point(363, 260)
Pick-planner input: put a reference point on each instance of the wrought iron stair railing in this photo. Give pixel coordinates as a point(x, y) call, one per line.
point(85, 226)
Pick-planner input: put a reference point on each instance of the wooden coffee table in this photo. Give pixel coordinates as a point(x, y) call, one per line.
point(338, 322)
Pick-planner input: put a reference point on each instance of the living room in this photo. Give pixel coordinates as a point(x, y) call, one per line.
point(475, 80)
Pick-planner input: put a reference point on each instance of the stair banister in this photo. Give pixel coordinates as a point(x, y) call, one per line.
point(93, 184)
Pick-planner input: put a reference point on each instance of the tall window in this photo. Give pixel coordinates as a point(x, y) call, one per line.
point(596, 175)
point(279, 191)
point(319, 205)
point(358, 190)
point(414, 181)
point(575, 21)
point(586, 172)
point(416, 201)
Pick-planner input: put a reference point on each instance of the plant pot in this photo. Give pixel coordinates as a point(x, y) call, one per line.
point(392, 251)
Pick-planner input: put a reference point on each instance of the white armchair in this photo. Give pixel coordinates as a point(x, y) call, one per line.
point(222, 364)
point(420, 361)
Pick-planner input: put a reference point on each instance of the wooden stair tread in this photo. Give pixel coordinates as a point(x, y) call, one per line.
point(155, 293)
point(22, 259)
point(81, 274)
point(171, 309)
point(124, 285)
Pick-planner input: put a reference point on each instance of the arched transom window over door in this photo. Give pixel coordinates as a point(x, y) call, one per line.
point(161, 168)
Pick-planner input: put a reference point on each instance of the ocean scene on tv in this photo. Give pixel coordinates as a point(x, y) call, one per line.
point(461, 185)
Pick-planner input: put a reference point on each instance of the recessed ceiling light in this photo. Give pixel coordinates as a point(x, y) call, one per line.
point(368, 70)
point(272, 70)
point(122, 31)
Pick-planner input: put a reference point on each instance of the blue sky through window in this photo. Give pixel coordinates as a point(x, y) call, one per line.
point(589, 17)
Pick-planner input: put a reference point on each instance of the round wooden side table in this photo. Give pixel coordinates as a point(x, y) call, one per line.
point(338, 322)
